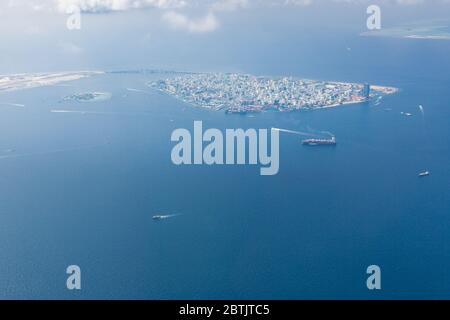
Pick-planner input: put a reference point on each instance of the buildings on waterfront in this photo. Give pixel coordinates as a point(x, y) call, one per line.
point(242, 93)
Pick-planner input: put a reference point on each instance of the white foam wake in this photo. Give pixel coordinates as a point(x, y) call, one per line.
point(31, 154)
point(294, 132)
point(19, 105)
point(137, 90)
point(422, 110)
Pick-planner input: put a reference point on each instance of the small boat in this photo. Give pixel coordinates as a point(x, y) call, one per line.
point(424, 174)
point(164, 216)
point(320, 142)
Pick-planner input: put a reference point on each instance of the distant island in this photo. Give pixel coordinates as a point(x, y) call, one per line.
point(20, 81)
point(428, 30)
point(243, 93)
point(89, 97)
point(33, 80)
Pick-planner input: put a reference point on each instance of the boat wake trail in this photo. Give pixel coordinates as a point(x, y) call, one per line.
point(422, 110)
point(67, 111)
point(31, 154)
point(137, 90)
point(82, 112)
point(165, 216)
point(378, 101)
point(311, 133)
point(18, 105)
point(294, 132)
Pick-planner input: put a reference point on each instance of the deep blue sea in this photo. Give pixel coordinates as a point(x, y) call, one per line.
point(81, 188)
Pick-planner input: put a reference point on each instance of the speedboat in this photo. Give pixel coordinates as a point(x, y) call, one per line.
point(424, 174)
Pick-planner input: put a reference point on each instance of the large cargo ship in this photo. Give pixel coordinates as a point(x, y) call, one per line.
point(320, 142)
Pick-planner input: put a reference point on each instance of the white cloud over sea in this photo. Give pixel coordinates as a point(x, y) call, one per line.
point(178, 20)
point(209, 22)
point(104, 6)
point(101, 6)
point(193, 16)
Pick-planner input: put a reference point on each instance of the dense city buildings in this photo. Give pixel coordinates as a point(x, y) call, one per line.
point(242, 93)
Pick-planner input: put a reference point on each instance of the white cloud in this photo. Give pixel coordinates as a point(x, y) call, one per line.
point(177, 20)
point(207, 23)
point(229, 5)
point(367, 2)
point(98, 6)
point(174, 12)
point(298, 2)
point(70, 48)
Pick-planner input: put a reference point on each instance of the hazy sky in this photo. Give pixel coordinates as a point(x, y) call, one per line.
point(181, 33)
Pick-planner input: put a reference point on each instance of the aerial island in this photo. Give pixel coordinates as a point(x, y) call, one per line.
point(243, 93)
point(424, 30)
point(34, 80)
point(88, 97)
